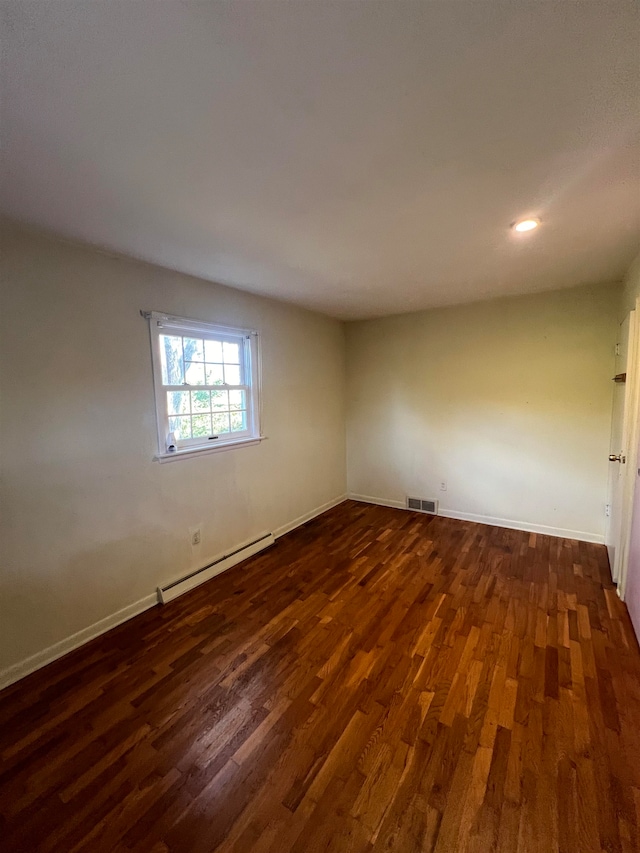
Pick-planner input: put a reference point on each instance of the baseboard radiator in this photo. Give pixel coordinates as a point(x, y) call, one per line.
point(193, 579)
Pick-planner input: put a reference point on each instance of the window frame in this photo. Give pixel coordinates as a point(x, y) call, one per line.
point(248, 339)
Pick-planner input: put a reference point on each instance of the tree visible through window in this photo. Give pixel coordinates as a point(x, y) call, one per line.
point(206, 388)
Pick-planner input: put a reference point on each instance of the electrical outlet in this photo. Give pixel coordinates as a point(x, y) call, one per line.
point(195, 536)
point(443, 486)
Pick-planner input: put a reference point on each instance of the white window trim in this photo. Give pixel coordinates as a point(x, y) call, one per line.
point(158, 322)
point(192, 452)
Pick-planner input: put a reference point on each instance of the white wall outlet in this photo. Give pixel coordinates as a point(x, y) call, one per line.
point(443, 486)
point(195, 536)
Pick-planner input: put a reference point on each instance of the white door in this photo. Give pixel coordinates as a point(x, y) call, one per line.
point(618, 450)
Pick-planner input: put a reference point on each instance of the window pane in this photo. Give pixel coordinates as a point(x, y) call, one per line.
point(171, 358)
point(200, 401)
point(201, 425)
point(181, 427)
point(219, 400)
point(236, 400)
point(213, 351)
point(194, 373)
point(193, 349)
point(238, 421)
point(178, 402)
point(220, 422)
point(215, 375)
point(232, 374)
point(231, 353)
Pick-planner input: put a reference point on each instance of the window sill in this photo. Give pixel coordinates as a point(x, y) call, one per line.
point(191, 452)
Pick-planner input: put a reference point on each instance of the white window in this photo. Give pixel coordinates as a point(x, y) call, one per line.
point(206, 385)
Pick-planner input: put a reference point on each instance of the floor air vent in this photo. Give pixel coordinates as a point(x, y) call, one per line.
point(422, 506)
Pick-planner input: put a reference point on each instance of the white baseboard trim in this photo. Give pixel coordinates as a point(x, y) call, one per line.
point(25, 667)
point(561, 532)
point(367, 499)
point(302, 519)
point(57, 650)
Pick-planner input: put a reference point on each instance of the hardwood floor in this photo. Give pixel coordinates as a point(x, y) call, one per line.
point(377, 681)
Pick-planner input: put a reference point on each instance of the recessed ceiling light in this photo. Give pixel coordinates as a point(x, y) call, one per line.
point(525, 225)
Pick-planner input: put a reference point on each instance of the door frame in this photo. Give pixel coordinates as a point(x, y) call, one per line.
point(630, 440)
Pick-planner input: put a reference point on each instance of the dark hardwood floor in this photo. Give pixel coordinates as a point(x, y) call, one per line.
point(377, 681)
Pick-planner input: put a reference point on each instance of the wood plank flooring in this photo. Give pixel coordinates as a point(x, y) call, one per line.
point(378, 681)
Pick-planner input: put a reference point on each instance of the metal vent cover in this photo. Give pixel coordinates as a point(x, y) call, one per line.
point(421, 505)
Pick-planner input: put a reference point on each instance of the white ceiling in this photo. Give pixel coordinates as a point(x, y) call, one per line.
point(360, 158)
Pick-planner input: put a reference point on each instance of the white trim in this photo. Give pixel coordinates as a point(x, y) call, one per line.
point(630, 445)
point(367, 499)
point(525, 526)
point(250, 374)
point(57, 650)
point(191, 325)
point(191, 452)
point(302, 519)
point(37, 661)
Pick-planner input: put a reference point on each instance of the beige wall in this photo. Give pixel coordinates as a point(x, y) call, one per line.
point(507, 401)
point(90, 524)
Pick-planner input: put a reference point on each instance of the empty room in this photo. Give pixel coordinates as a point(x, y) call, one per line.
point(320, 426)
